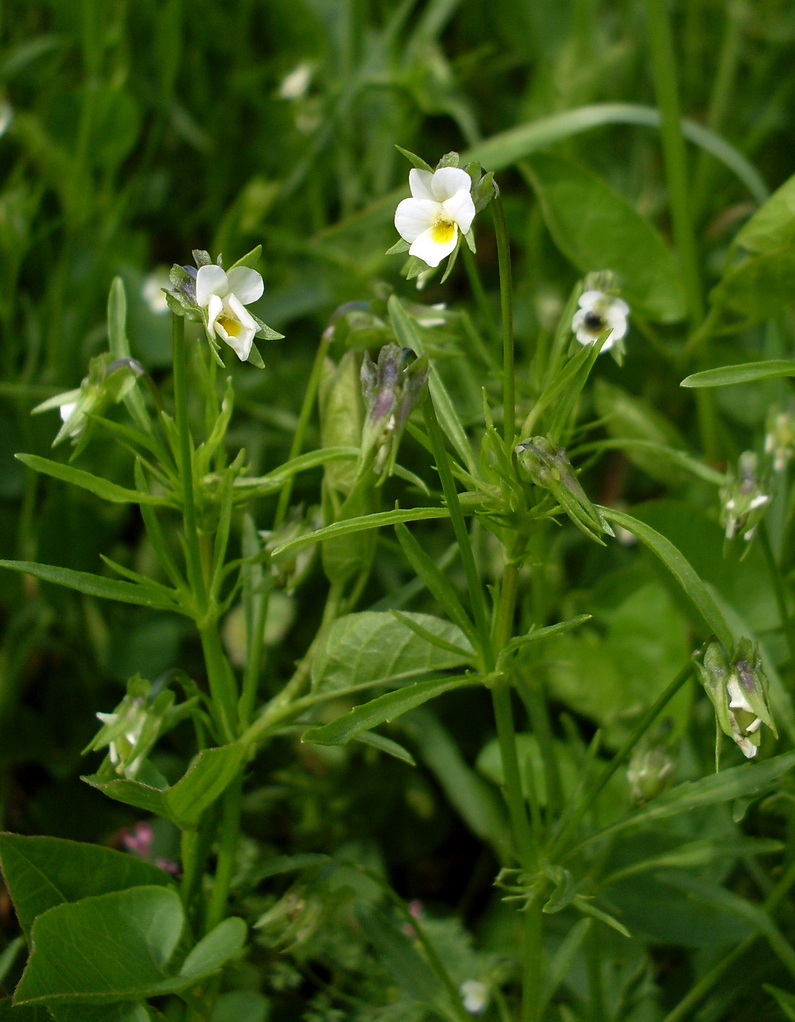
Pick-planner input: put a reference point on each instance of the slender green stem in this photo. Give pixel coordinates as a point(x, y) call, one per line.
point(221, 681)
point(256, 644)
point(506, 736)
point(778, 589)
point(620, 757)
point(229, 830)
point(700, 990)
point(195, 573)
point(303, 422)
point(189, 853)
point(506, 314)
point(476, 596)
point(533, 961)
point(663, 62)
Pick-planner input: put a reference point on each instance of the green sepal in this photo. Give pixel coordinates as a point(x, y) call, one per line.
point(400, 246)
point(250, 259)
point(414, 160)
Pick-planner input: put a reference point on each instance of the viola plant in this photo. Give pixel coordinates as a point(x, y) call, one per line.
point(430, 740)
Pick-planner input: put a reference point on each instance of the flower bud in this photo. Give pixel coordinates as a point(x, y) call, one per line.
point(546, 463)
point(737, 688)
point(391, 389)
point(650, 771)
point(130, 732)
point(744, 499)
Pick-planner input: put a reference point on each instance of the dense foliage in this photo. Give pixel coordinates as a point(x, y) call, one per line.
point(442, 648)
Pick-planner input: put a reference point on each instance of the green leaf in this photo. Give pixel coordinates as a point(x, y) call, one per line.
point(374, 647)
point(785, 1000)
point(8, 1013)
point(759, 287)
point(437, 583)
point(747, 372)
point(113, 947)
point(374, 521)
point(9, 955)
point(646, 453)
point(408, 337)
point(693, 854)
point(772, 227)
point(680, 568)
point(383, 709)
point(241, 1006)
point(215, 949)
point(597, 229)
point(386, 745)
point(208, 776)
point(746, 780)
point(42, 872)
point(106, 1013)
point(96, 585)
point(537, 634)
point(273, 482)
point(94, 484)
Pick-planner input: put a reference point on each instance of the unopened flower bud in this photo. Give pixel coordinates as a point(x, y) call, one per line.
point(549, 467)
point(391, 389)
point(737, 688)
point(650, 771)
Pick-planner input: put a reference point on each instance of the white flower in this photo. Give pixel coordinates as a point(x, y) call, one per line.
point(221, 297)
point(152, 291)
point(599, 312)
point(474, 996)
point(441, 205)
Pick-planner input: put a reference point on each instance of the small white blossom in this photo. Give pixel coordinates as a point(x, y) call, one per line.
point(599, 312)
point(296, 84)
point(440, 206)
point(221, 297)
point(474, 996)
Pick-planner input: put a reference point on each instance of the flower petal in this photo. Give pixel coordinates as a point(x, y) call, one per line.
point(415, 216)
point(210, 280)
point(460, 208)
point(215, 307)
point(429, 249)
point(447, 181)
point(590, 299)
point(246, 284)
point(420, 184)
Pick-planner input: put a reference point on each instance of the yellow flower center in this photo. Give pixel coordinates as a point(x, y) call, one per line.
point(231, 326)
point(443, 232)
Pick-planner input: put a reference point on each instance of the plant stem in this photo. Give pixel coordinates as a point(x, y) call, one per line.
point(664, 70)
point(506, 736)
point(221, 681)
point(479, 292)
point(230, 828)
point(506, 312)
point(461, 534)
point(533, 961)
point(195, 573)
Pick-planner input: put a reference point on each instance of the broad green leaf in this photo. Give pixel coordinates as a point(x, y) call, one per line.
point(680, 568)
point(772, 227)
point(747, 372)
point(96, 585)
point(215, 949)
point(241, 1006)
point(374, 521)
point(508, 147)
point(372, 647)
point(386, 745)
point(409, 337)
point(744, 781)
point(113, 947)
point(383, 709)
point(208, 776)
point(597, 229)
point(759, 287)
point(94, 484)
point(42, 872)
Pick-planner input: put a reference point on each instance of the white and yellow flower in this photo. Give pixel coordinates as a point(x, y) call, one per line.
point(599, 312)
point(440, 206)
point(221, 296)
